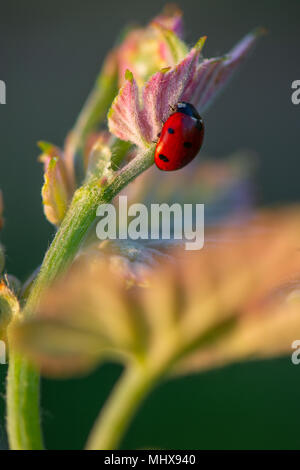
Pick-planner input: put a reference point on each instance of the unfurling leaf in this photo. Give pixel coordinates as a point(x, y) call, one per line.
point(170, 19)
point(129, 119)
point(146, 50)
point(9, 308)
point(58, 188)
point(137, 115)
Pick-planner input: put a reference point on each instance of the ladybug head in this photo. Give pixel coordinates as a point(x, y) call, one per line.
point(187, 108)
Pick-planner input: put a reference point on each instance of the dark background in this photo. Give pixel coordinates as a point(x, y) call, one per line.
point(50, 54)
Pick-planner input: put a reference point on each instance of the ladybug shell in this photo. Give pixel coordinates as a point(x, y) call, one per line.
point(179, 142)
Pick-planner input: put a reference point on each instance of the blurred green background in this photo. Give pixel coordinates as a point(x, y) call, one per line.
point(50, 54)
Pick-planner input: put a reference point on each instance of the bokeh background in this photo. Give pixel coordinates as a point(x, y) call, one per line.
point(50, 54)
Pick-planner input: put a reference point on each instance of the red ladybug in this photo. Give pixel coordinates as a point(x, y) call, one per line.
point(180, 139)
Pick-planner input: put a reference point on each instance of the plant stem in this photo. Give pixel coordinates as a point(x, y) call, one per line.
point(23, 422)
point(78, 219)
point(117, 413)
point(93, 112)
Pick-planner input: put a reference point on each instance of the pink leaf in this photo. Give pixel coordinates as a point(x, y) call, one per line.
point(165, 89)
point(138, 116)
point(171, 19)
point(125, 116)
point(140, 124)
point(225, 69)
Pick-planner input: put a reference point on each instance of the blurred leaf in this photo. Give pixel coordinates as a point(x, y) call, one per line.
point(225, 187)
point(199, 309)
point(146, 50)
point(170, 19)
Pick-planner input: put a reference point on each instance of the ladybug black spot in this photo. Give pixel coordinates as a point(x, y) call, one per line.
point(188, 145)
point(171, 131)
point(163, 157)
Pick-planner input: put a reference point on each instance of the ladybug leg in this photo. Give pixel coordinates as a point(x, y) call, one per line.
point(158, 136)
point(172, 108)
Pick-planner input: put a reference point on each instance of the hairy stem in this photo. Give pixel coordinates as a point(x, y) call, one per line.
point(92, 114)
point(23, 415)
point(23, 422)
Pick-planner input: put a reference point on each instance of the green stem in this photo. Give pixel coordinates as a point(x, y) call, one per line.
point(23, 420)
point(93, 111)
point(23, 385)
point(78, 219)
point(117, 413)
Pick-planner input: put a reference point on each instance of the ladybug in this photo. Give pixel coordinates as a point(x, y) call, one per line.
point(180, 139)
